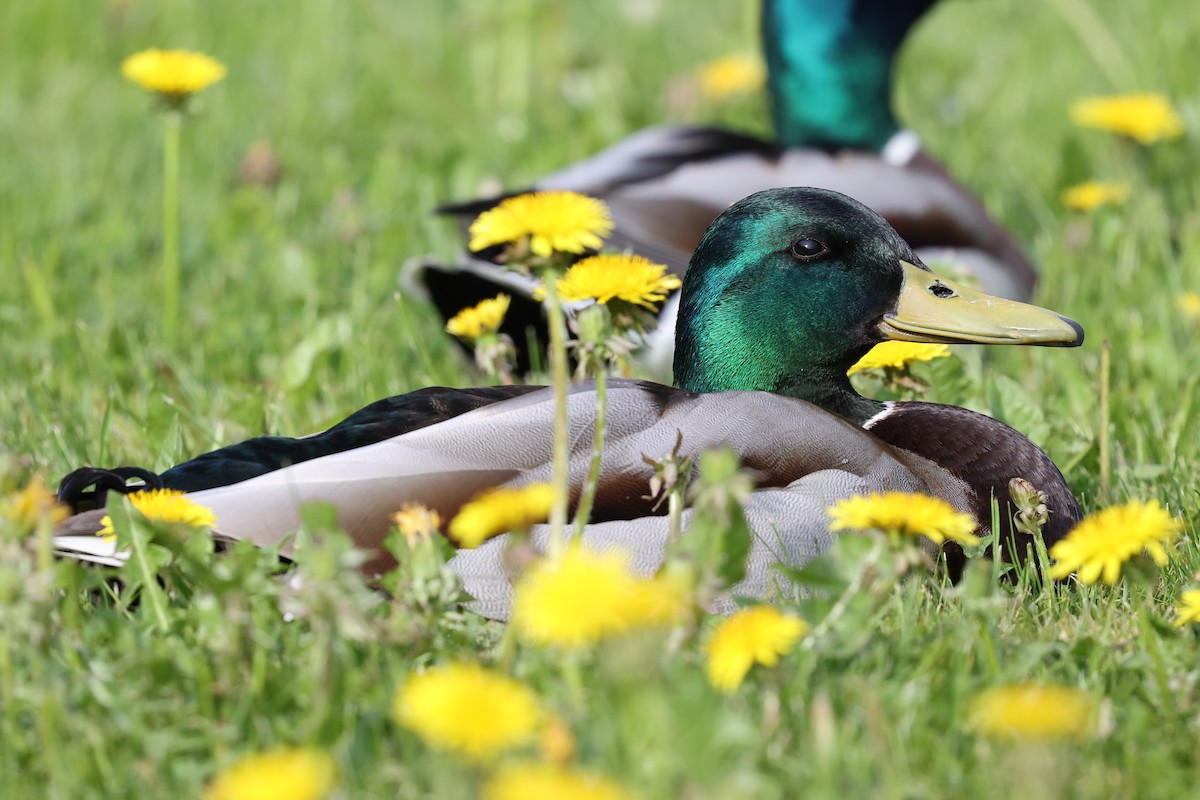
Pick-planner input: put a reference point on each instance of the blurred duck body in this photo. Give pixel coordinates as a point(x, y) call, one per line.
point(830, 65)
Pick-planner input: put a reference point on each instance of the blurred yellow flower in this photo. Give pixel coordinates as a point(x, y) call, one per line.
point(416, 522)
point(732, 75)
point(1090, 195)
point(1189, 304)
point(1031, 712)
point(533, 781)
point(556, 743)
point(164, 505)
point(606, 277)
point(468, 710)
point(1145, 117)
point(760, 634)
point(1188, 608)
point(286, 773)
point(661, 600)
point(483, 317)
point(1102, 542)
point(173, 73)
point(564, 222)
point(585, 595)
point(498, 511)
point(898, 355)
point(32, 505)
point(911, 514)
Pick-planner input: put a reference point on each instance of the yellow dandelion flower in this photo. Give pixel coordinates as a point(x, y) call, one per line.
point(732, 75)
point(898, 355)
point(586, 595)
point(468, 710)
point(1145, 117)
point(661, 600)
point(1102, 542)
point(286, 773)
point(32, 505)
point(1189, 304)
point(417, 522)
point(483, 317)
point(172, 73)
point(498, 511)
point(1090, 195)
point(606, 277)
point(1188, 608)
point(911, 514)
point(564, 222)
point(533, 781)
point(164, 505)
point(1031, 712)
point(760, 634)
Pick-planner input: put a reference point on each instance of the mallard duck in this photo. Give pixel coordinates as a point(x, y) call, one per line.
point(829, 81)
point(786, 290)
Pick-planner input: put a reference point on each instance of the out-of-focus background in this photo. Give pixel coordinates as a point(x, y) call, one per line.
point(309, 176)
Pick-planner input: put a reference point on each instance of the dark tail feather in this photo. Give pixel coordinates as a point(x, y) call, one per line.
point(88, 487)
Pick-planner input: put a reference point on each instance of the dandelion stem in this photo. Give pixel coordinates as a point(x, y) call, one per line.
point(839, 608)
point(150, 587)
point(1099, 41)
point(1105, 454)
point(573, 678)
point(7, 682)
point(988, 646)
point(324, 667)
point(45, 545)
point(506, 649)
point(170, 236)
point(584, 510)
point(561, 452)
point(1156, 657)
point(47, 726)
point(674, 516)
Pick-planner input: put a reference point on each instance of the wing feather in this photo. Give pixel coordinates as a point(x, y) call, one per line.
point(507, 443)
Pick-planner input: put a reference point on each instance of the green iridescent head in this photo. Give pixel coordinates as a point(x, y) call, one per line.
point(790, 287)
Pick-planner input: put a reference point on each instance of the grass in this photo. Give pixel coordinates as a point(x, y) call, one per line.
point(292, 318)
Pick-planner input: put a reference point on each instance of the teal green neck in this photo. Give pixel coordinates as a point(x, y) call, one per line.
point(830, 69)
point(735, 349)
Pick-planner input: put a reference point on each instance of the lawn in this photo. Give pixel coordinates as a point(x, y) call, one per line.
point(292, 317)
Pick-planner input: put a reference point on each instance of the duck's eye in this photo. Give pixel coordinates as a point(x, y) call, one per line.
point(808, 249)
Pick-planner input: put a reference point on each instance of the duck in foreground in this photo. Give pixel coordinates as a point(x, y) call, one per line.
point(829, 80)
point(786, 291)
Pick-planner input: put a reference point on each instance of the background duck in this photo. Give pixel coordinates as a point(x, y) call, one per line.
point(829, 81)
point(786, 290)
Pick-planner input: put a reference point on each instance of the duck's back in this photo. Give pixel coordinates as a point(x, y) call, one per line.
point(383, 419)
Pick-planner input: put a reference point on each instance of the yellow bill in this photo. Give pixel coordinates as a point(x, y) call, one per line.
point(938, 310)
